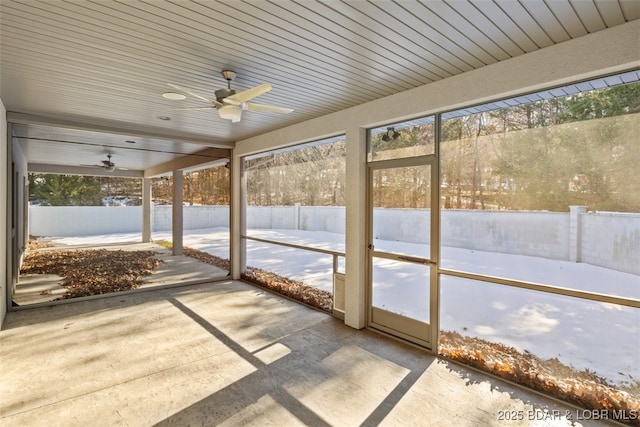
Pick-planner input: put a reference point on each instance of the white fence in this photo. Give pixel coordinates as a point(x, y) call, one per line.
point(62, 221)
point(610, 240)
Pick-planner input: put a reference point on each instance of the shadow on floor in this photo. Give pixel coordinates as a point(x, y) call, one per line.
point(229, 353)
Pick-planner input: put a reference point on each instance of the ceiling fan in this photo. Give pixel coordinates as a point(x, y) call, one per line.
point(230, 104)
point(106, 164)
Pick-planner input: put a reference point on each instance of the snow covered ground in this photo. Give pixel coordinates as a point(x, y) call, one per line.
point(602, 337)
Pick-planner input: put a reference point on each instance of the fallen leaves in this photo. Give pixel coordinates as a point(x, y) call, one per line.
point(298, 291)
point(224, 264)
point(201, 256)
point(293, 289)
point(92, 271)
point(35, 243)
point(583, 388)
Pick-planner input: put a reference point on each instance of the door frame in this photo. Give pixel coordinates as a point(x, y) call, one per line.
point(397, 325)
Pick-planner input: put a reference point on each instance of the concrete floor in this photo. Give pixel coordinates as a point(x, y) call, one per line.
point(227, 353)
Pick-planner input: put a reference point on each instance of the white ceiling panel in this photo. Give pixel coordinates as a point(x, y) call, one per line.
point(107, 63)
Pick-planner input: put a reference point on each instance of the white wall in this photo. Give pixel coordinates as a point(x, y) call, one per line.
point(323, 218)
point(204, 216)
point(591, 56)
point(194, 217)
point(605, 239)
point(4, 297)
point(611, 240)
point(60, 221)
point(403, 225)
point(64, 221)
point(312, 218)
point(540, 234)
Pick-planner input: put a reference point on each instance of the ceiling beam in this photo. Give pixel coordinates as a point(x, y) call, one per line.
point(81, 170)
point(114, 128)
point(205, 158)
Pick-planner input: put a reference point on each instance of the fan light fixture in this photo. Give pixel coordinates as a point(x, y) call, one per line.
point(230, 112)
point(390, 134)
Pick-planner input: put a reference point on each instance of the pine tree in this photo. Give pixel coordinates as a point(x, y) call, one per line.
point(65, 190)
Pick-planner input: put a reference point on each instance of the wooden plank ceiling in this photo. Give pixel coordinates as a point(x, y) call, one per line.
point(108, 62)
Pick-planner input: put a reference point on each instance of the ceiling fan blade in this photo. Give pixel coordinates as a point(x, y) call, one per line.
point(195, 108)
point(250, 106)
point(248, 94)
point(192, 93)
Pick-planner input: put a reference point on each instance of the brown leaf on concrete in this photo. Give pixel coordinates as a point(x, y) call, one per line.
point(93, 271)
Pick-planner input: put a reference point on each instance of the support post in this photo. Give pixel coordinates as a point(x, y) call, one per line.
point(296, 216)
point(575, 233)
point(147, 218)
point(355, 299)
point(177, 211)
point(238, 210)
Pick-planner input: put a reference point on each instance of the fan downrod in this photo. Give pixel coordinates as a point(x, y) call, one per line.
point(228, 76)
point(223, 93)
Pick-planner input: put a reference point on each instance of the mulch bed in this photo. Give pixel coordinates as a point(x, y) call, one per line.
point(583, 388)
point(293, 289)
point(224, 264)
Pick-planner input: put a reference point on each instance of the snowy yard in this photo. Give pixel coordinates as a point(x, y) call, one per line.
point(585, 334)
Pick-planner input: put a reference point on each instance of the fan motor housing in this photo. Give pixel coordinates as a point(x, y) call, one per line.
point(223, 93)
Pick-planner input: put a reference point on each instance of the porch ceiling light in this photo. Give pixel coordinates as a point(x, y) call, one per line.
point(174, 96)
